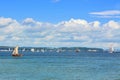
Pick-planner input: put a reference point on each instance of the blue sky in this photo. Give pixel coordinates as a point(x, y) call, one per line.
point(56, 10)
point(57, 23)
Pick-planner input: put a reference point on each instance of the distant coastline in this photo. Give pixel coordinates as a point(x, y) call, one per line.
point(59, 49)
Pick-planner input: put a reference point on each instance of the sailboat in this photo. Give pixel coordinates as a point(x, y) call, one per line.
point(15, 52)
point(111, 50)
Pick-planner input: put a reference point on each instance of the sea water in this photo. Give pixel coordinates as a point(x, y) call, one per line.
point(60, 66)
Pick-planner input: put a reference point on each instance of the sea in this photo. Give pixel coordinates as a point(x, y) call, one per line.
point(60, 66)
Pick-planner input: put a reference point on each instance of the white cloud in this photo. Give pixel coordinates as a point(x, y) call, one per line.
point(15, 38)
point(74, 32)
point(74, 25)
point(107, 14)
point(81, 38)
point(49, 37)
point(29, 20)
point(5, 21)
point(110, 12)
point(2, 38)
point(112, 24)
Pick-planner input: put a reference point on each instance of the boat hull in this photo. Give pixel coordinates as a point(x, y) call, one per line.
point(16, 55)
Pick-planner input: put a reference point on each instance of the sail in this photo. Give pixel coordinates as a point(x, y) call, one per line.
point(15, 51)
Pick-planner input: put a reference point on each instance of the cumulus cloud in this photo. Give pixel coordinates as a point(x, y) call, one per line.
point(107, 14)
point(74, 32)
point(74, 25)
point(5, 21)
point(2, 38)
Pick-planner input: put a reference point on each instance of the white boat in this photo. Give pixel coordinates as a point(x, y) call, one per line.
point(59, 50)
point(15, 52)
point(32, 50)
point(9, 49)
point(42, 50)
point(23, 49)
point(111, 50)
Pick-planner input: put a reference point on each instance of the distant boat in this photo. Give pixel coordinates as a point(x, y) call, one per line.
point(42, 50)
point(77, 50)
point(59, 50)
point(111, 50)
point(32, 50)
point(9, 49)
point(23, 49)
point(15, 52)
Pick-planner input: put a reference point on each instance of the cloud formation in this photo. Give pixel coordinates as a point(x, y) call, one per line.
point(107, 14)
point(74, 32)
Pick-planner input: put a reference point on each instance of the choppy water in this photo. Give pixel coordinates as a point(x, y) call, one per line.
point(62, 66)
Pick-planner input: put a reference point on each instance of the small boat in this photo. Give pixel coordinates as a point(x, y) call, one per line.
point(111, 50)
point(32, 50)
point(59, 51)
point(77, 50)
point(15, 52)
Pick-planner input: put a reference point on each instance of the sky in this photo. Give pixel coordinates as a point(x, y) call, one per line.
point(60, 23)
